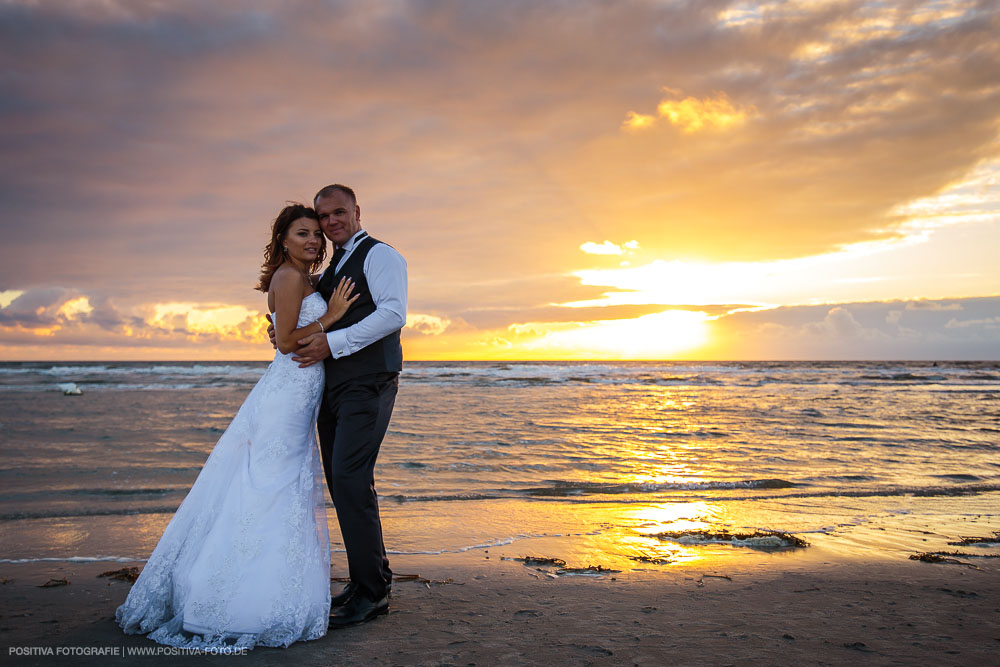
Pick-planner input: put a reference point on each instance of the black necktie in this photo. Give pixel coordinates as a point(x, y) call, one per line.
point(325, 284)
point(338, 255)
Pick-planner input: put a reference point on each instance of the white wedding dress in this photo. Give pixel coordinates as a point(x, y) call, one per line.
point(245, 561)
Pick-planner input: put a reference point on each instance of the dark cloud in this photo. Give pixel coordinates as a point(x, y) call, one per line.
point(834, 144)
point(147, 146)
point(54, 307)
point(36, 308)
point(962, 328)
point(938, 329)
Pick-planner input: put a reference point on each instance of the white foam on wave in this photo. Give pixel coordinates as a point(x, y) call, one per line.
point(196, 370)
point(70, 370)
point(749, 374)
point(498, 542)
point(75, 559)
point(199, 369)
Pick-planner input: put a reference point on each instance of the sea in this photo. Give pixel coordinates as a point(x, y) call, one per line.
point(626, 464)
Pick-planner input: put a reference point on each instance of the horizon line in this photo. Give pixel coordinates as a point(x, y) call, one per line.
point(514, 361)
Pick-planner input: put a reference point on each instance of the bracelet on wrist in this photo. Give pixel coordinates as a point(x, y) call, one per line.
point(322, 329)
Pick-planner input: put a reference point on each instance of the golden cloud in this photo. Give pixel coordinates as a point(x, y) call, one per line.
point(693, 115)
point(75, 307)
point(638, 121)
point(430, 325)
point(608, 248)
point(7, 296)
point(197, 319)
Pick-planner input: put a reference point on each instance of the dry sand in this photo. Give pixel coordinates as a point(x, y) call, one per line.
point(505, 613)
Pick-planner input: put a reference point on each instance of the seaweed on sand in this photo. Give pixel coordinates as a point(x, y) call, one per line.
point(963, 554)
point(762, 539)
point(701, 582)
point(652, 560)
point(540, 560)
point(966, 541)
point(561, 566)
point(590, 569)
point(423, 580)
point(129, 574)
point(409, 577)
point(927, 557)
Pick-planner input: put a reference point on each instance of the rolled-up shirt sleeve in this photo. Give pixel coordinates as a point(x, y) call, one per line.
point(385, 271)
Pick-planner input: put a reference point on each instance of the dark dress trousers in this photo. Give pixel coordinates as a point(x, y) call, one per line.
point(353, 418)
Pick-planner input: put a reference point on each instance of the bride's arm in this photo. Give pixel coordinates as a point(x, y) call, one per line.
point(338, 304)
point(287, 338)
point(286, 287)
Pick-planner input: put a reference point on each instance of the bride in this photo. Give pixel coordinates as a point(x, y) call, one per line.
point(245, 561)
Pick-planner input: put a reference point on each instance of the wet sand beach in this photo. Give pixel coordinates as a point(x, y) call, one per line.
point(503, 612)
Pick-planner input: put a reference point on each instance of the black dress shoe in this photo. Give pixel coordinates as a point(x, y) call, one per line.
point(358, 609)
point(341, 598)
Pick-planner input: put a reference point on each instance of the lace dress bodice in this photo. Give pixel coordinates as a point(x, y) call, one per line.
point(286, 373)
point(312, 308)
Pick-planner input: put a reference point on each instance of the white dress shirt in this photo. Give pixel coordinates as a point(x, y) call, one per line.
point(385, 271)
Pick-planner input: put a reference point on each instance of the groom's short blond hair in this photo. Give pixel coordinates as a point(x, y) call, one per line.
point(336, 187)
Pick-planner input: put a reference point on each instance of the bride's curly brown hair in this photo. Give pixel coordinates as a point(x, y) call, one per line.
point(274, 255)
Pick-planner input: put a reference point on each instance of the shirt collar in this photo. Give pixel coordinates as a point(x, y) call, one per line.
point(353, 241)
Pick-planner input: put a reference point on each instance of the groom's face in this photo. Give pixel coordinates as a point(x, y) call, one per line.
point(339, 217)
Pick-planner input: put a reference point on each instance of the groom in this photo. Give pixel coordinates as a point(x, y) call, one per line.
point(363, 357)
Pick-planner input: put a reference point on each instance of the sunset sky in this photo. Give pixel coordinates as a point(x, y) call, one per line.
point(567, 180)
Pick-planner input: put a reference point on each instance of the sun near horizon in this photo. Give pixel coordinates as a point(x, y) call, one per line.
point(565, 190)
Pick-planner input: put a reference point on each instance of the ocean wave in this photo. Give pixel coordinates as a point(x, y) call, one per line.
point(444, 497)
point(850, 478)
point(129, 376)
point(610, 488)
point(195, 370)
point(82, 512)
point(481, 380)
point(67, 370)
point(181, 375)
point(142, 491)
point(576, 489)
point(595, 494)
point(498, 542)
point(759, 539)
point(75, 559)
point(159, 386)
point(962, 477)
point(644, 493)
point(876, 492)
point(54, 493)
point(905, 377)
point(411, 465)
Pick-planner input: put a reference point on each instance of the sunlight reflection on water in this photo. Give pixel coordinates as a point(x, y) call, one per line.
point(590, 461)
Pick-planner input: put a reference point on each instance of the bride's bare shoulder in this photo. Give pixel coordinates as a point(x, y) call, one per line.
point(283, 272)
